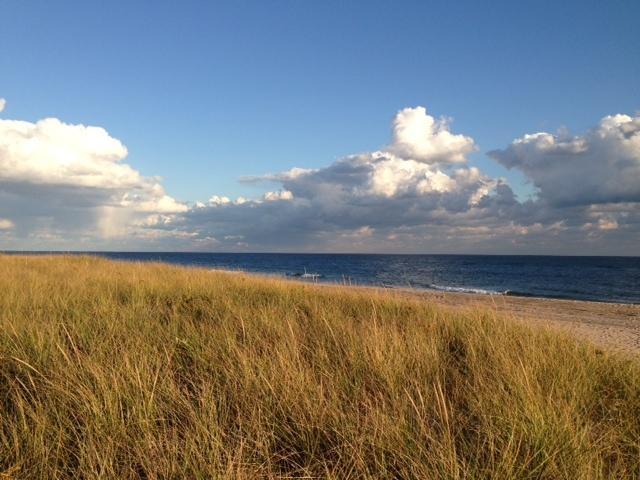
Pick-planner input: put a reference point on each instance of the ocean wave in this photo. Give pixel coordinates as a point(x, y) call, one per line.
point(226, 270)
point(478, 291)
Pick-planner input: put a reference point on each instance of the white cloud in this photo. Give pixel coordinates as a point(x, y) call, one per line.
point(3, 103)
point(216, 200)
point(419, 136)
point(52, 152)
point(279, 195)
point(602, 166)
point(70, 186)
point(419, 180)
point(418, 194)
point(71, 182)
point(391, 176)
point(6, 224)
point(291, 174)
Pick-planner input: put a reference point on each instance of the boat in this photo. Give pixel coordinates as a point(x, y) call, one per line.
point(306, 275)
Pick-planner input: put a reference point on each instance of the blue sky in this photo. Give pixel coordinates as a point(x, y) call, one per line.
point(202, 93)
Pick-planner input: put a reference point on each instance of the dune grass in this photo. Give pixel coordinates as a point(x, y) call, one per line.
point(122, 370)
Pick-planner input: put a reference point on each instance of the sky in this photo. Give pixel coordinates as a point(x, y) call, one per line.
point(420, 127)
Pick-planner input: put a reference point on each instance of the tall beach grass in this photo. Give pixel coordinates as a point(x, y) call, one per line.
point(123, 370)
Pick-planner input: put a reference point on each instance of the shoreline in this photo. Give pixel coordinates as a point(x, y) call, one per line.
point(609, 325)
point(418, 290)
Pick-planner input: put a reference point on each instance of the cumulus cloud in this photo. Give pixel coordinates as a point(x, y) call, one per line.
point(70, 186)
point(419, 194)
point(3, 103)
point(279, 195)
point(416, 163)
point(70, 182)
point(421, 137)
point(602, 166)
point(52, 152)
point(393, 196)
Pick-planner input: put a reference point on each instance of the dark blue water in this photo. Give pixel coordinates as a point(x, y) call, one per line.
point(610, 279)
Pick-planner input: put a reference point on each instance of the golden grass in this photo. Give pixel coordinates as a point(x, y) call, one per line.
point(122, 370)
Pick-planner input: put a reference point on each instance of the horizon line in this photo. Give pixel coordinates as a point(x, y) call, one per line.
point(311, 253)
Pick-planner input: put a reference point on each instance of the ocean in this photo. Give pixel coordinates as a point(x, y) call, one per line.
point(605, 279)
